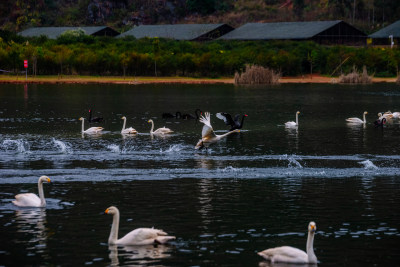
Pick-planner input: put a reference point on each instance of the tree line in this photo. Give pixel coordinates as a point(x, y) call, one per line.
point(367, 15)
point(80, 54)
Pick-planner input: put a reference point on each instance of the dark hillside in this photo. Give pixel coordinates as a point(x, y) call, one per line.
point(368, 15)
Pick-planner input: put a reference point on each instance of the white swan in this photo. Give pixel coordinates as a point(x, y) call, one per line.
point(386, 115)
point(396, 115)
point(139, 236)
point(91, 130)
point(208, 135)
point(129, 130)
point(293, 255)
point(30, 199)
point(161, 131)
point(292, 123)
point(357, 120)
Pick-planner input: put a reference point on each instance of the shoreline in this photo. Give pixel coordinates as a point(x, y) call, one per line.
point(71, 79)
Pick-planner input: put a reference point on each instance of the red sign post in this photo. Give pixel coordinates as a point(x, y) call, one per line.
point(26, 69)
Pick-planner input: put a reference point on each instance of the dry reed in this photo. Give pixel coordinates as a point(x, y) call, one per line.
point(398, 79)
point(355, 77)
point(257, 75)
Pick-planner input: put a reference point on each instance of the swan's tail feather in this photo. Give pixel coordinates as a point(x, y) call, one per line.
point(163, 239)
point(264, 255)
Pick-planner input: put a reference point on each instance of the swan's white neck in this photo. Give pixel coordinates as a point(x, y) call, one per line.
point(310, 248)
point(123, 127)
point(83, 126)
point(226, 134)
point(114, 229)
point(41, 193)
point(152, 126)
point(297, 118)
point(364, 120)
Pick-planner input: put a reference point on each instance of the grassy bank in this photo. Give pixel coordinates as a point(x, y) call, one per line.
point(160, 80)
point(111, 80)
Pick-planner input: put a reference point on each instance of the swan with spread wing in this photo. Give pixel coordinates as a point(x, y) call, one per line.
point(234, 123)
point(208, 135)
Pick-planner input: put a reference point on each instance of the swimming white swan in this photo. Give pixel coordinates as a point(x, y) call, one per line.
point(91, 130)
point(387, 115)
point(139, 236)
point(208, 135)
point(129, 130)
point(292, 123)
point(293, 255)
point(30, 199)
point(357, 120)
point(161, 131)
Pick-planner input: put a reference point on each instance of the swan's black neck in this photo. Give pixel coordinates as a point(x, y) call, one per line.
point(197, 112)
point(241, 123)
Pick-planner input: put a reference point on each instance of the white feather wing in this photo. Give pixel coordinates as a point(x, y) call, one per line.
point(141, 236)
point(27, 200)
point(207, 131)
point(285, 254)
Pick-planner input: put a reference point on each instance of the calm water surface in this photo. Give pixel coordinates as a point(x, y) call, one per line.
point(256, 189)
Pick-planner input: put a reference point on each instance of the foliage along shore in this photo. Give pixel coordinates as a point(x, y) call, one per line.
point(72, 79)
point(75, 53)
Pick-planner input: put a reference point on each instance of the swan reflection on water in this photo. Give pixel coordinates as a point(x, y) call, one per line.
point(293, 136)
point(32, 221)
point(142, 255)
point(92, 135)
point(159, 136)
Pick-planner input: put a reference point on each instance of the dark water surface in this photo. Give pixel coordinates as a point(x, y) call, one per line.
point(256, 189)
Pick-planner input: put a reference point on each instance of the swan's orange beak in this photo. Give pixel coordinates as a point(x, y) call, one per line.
point(48, 180)
point(106, 212)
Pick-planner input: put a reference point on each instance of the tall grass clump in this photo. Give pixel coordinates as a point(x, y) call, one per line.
point(257, 75)
point(355, 77)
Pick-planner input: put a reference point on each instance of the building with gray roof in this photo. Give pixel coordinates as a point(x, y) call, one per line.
point(54, 32)
point(387, 35)
point(188, 32)
point(323, 32)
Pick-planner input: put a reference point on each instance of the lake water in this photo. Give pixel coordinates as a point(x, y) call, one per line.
point(254, 190)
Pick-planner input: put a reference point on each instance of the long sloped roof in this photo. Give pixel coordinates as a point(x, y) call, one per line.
point(54, 32)
point(279, 30)
point(392, 29)
point(171, 31)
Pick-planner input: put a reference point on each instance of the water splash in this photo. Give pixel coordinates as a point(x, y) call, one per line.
point(293, 163)
point(368, 165)
point(173, 149)
point(231, 169)
point(21, 145)
point(64, 147)
point(114, 148)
